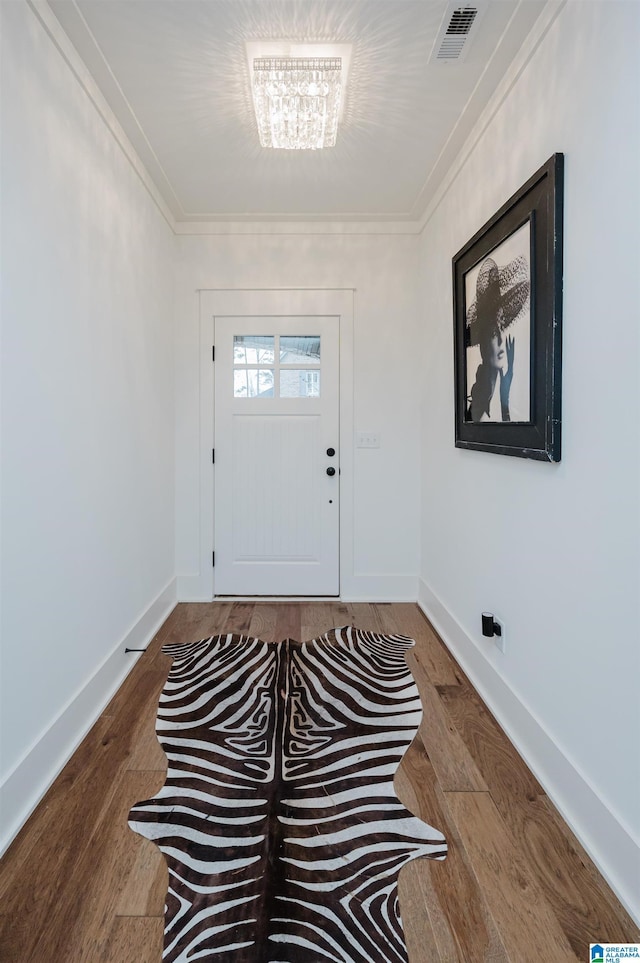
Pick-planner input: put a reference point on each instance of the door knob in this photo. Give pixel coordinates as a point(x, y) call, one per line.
point(331, 452)
point(331, 470)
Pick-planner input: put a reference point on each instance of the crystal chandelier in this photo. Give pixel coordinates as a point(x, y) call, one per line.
point(297, 101)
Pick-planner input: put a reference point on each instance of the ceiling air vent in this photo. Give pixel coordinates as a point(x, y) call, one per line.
point(457, 30)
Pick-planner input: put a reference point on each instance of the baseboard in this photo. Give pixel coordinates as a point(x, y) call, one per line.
point(24, 787)
point(354, 588)
point(378, 588)
point(193, 588)
point(611, 846)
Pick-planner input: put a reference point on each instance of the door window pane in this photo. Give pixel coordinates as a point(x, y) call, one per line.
point(253, 383)
point(253, 349)
point(299, 383)
point(299, 350)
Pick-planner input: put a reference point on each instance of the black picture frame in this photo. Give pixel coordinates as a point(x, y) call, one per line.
point(508, 324)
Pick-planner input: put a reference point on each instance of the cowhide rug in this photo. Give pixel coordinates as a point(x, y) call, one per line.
point(278, 820)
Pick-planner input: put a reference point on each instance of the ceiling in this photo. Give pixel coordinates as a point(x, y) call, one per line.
point(175, 73)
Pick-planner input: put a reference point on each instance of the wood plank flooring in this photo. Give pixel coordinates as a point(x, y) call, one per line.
point(77, 886)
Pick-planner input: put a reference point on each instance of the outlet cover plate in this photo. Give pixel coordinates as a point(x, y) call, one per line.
point(499, 639)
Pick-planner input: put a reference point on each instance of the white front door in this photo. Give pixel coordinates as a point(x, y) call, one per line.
point(277, 456)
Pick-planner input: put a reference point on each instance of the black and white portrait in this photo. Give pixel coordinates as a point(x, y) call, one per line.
point(498, 333)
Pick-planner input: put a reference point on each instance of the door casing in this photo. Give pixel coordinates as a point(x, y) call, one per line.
point(281, 302)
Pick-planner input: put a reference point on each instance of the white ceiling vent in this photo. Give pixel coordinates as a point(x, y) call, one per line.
point(458, 28)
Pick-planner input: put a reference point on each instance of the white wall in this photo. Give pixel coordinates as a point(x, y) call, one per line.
point(87, 420)
point(553, 550)
point(386, 375)
point(87, 411)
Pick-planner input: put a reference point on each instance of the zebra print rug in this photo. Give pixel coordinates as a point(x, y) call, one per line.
point(278, 819)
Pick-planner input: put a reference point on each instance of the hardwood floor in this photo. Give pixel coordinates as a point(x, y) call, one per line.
point(77, 886)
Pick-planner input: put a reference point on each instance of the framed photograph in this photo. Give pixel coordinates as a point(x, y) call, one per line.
point(507, 307)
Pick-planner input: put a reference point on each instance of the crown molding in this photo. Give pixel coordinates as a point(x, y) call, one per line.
point(150, 172)
point(79, 49)
point(60, 39)
point(540, 29)
point(176, 219)
point(309, 227)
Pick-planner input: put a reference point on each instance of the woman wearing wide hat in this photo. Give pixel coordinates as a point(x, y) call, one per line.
point(502, 295)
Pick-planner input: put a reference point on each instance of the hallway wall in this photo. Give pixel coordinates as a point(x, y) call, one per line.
point(553, 550)
point(96, 436)
point(87, 412)
point(382, 268)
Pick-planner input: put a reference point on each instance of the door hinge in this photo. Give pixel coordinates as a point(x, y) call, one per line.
point(213, 456)
point(213, 559)
point(213, 352)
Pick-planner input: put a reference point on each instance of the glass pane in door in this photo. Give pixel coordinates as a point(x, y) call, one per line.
point(253, 349)
point(299, 383)
point(253, 383)
point(303, 349)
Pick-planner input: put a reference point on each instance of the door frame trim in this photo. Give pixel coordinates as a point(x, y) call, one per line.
point(239, 302)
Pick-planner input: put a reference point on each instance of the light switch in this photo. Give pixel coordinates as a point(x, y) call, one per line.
point(367, 439)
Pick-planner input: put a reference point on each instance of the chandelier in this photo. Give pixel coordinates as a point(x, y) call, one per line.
point(297, 101)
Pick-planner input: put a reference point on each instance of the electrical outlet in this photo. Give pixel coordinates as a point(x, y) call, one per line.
point(499, 639)
point(367, 439)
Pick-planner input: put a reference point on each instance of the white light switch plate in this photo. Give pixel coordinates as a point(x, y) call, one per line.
point(367, 439)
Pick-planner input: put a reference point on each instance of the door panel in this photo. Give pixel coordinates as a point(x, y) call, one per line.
point(276, 415)
point(276, 514)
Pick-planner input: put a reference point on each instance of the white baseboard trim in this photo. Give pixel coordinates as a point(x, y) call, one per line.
point(23, 788)
point(354, 588)
point(378, 588)
point(193, 588)
point(612, 847)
